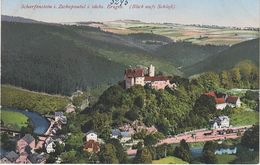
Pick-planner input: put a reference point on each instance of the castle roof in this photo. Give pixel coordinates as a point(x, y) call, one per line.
point(134, 72)
point(156, 78)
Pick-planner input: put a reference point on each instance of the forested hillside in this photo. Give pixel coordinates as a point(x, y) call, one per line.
point(61, 59)
point(38, 102)
point(248, 50)
point(184, 54)
point(171, 111)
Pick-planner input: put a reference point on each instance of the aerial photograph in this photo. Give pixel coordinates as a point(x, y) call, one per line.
point(129, 82)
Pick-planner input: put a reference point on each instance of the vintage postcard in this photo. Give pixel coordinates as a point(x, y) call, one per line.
point(129, 82)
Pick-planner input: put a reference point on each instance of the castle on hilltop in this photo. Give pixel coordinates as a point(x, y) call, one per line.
point(137, 76)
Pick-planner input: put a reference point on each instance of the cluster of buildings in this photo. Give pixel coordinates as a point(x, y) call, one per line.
point(219, 122)
point(223, 100)
point(138, 76)
point(27, 145)
point(25, 153)
point(123, 134)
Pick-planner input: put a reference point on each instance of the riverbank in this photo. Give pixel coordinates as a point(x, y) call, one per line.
point(13, 120)
point(40, 123)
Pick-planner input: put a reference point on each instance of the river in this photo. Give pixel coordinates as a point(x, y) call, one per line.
point(40, 123)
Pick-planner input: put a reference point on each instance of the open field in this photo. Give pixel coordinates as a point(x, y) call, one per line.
point(196, 34)
point(169, 160)
point(242, 117)
point(225, 159)
point(13, 120)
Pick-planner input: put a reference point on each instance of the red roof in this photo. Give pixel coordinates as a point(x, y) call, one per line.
point(92, 144)
point(232, 99)
point(220, 100)
point(156, 78)
point(212, 93)
point(134, 72)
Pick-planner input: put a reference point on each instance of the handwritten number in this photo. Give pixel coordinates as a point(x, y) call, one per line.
point(118, 2)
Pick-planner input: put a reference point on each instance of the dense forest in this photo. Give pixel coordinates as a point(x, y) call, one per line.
point(39, 59)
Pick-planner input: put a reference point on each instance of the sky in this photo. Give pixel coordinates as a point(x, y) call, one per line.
point(240, 13)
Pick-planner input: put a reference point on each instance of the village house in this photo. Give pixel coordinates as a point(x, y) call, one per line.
point(92, 142)
point(49, 145)
point(222, 100)
point(116, 133)
point(91, 135)
point(125, 137)
point(137, 76)
point(228, 151)
point(9, 157)
point(59, 117)
point(27, 140)
point(70, 108)
point(219, 122)
point(36, 158)
point(91, 146)
point(4, 160)
point(22, 158)
point(234, 101)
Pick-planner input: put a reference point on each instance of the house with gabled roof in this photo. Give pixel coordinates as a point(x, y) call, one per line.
point(60, 117)
point(219, 122)
point(222, 100)
point(91, 135)
point(49, 145)
point(91, 146)
point(11, 157)
point(27, 140)
point(22, 158)
point(4, 160)
point(234, 101)
point(36, 158)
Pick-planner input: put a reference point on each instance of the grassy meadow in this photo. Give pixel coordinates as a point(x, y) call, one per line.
point(169, 160)
point(241, 117)
point(225, 159)
point(13, 120)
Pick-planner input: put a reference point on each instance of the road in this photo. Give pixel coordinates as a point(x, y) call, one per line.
point(199, 136)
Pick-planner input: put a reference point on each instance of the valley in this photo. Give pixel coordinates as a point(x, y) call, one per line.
point(127, 91)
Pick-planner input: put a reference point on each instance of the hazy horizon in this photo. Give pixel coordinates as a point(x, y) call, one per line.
point(134, 20)
point(230, 13)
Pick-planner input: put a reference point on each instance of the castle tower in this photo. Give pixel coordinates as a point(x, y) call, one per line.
point(151, 71)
